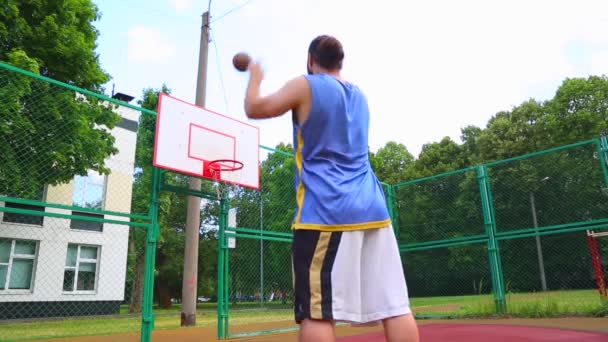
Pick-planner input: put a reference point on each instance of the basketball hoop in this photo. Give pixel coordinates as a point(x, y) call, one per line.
point(229, 165)
point(217, 167)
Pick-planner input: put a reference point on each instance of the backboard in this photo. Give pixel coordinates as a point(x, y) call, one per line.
point(188, 138)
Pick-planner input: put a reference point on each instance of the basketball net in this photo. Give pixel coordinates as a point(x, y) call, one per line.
point(223, 186)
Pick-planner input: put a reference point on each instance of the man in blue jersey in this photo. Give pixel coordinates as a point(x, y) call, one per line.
point(346, 260)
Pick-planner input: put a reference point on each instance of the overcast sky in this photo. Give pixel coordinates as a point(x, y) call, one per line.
point(428, 67)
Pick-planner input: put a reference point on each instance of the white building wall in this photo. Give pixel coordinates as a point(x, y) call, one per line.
point(55, 233)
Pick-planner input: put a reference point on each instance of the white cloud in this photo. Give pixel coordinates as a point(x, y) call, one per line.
point(599, 64)
point(428, 69)
point(149, 45)
point(181, 5)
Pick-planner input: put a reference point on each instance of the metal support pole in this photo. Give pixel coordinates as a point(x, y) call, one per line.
point(493, 250)
point(190, 275)
point(539, 248)
point(392, 210)
point(151, 238)
point(223, 272)
point(602, 147)
point(261, 251)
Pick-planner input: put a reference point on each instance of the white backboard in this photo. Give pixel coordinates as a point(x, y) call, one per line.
point(189, 137)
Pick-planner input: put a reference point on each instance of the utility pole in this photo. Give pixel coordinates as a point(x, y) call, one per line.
point(539, 248)
point(193, 224)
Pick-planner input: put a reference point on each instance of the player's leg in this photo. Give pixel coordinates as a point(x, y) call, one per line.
point(314, 254)
point(401, 329)
point(315, 330)
point(386, 300)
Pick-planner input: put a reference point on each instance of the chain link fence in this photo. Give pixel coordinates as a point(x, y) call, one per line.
point(509, 234)
point(73, 210)
point(85, 229)
point(442, 235)
point(470, 239)
point(260, 285)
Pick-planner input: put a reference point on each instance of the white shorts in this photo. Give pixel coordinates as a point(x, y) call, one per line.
point(352, 276)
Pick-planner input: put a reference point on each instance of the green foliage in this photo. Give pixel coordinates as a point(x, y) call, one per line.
point(392, 162)
point(568, 186)
point(439, 157)
point(270, 209)
point(172, 215)
point(58, 35)
point(49, 134)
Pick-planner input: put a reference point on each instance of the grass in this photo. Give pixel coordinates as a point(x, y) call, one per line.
point(541, 305)
point(531, 305)
point(23, 331)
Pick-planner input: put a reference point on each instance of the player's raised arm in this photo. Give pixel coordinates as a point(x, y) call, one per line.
point(289, 97)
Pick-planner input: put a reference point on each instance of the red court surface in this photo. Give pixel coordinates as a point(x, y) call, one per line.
point(490, 333)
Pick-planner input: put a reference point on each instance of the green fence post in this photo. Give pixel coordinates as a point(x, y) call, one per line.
point(493, 250)
point(223, 296)
point(392, 209)
point(225, 208)
point(152, 235)
point(603, 152)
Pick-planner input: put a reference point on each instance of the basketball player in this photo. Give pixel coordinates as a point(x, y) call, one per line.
point(346, 260)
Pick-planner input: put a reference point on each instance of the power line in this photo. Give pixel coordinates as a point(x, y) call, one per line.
point(231, 11)
point(219, 70)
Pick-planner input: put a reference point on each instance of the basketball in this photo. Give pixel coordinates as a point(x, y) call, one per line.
point(241, 61)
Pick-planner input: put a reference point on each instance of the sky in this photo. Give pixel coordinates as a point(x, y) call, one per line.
point(429, 68)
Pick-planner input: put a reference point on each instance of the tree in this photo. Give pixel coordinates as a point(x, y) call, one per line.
point(392, 162)
point(439, 157)
point(171, 217)
point(567, 186)
point(58, 35)
point(578, 111)
point(513, 133)
point(49, 134)
point(272, 208)
point(141, 194)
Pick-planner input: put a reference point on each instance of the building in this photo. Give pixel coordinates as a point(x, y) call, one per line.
point(56, 267)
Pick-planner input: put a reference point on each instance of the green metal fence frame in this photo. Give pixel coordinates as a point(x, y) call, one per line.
point(150, 223)
point(492, 235)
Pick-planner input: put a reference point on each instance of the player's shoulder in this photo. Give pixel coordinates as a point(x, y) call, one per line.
point(298, 83)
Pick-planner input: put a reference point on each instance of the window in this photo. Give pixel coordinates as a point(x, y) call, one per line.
point(89, 192)
point(22, 218)
point(80, 268)
point(17, 262)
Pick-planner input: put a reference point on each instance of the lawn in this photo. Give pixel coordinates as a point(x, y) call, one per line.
point(24, 331)
point(548, 304)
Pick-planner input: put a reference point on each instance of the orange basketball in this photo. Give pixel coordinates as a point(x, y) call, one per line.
point(241, 61)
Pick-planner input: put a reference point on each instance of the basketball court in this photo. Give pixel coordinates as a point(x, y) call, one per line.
point(197, 142)
point(495, 330)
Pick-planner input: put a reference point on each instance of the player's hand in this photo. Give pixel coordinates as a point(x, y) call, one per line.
point(256, 71)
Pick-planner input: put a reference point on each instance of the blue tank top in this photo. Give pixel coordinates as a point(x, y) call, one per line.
point(336, 188)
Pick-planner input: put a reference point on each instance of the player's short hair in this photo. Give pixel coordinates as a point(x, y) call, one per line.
point(327, 52)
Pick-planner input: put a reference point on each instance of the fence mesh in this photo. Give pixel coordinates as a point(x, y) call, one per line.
point(75, 204)
point(448, 280)
point(598, 247)
point(70, 243)
point(439, 208)
point(539, 207)
point(561, 187)
point(542, 280)
point(260, 277)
